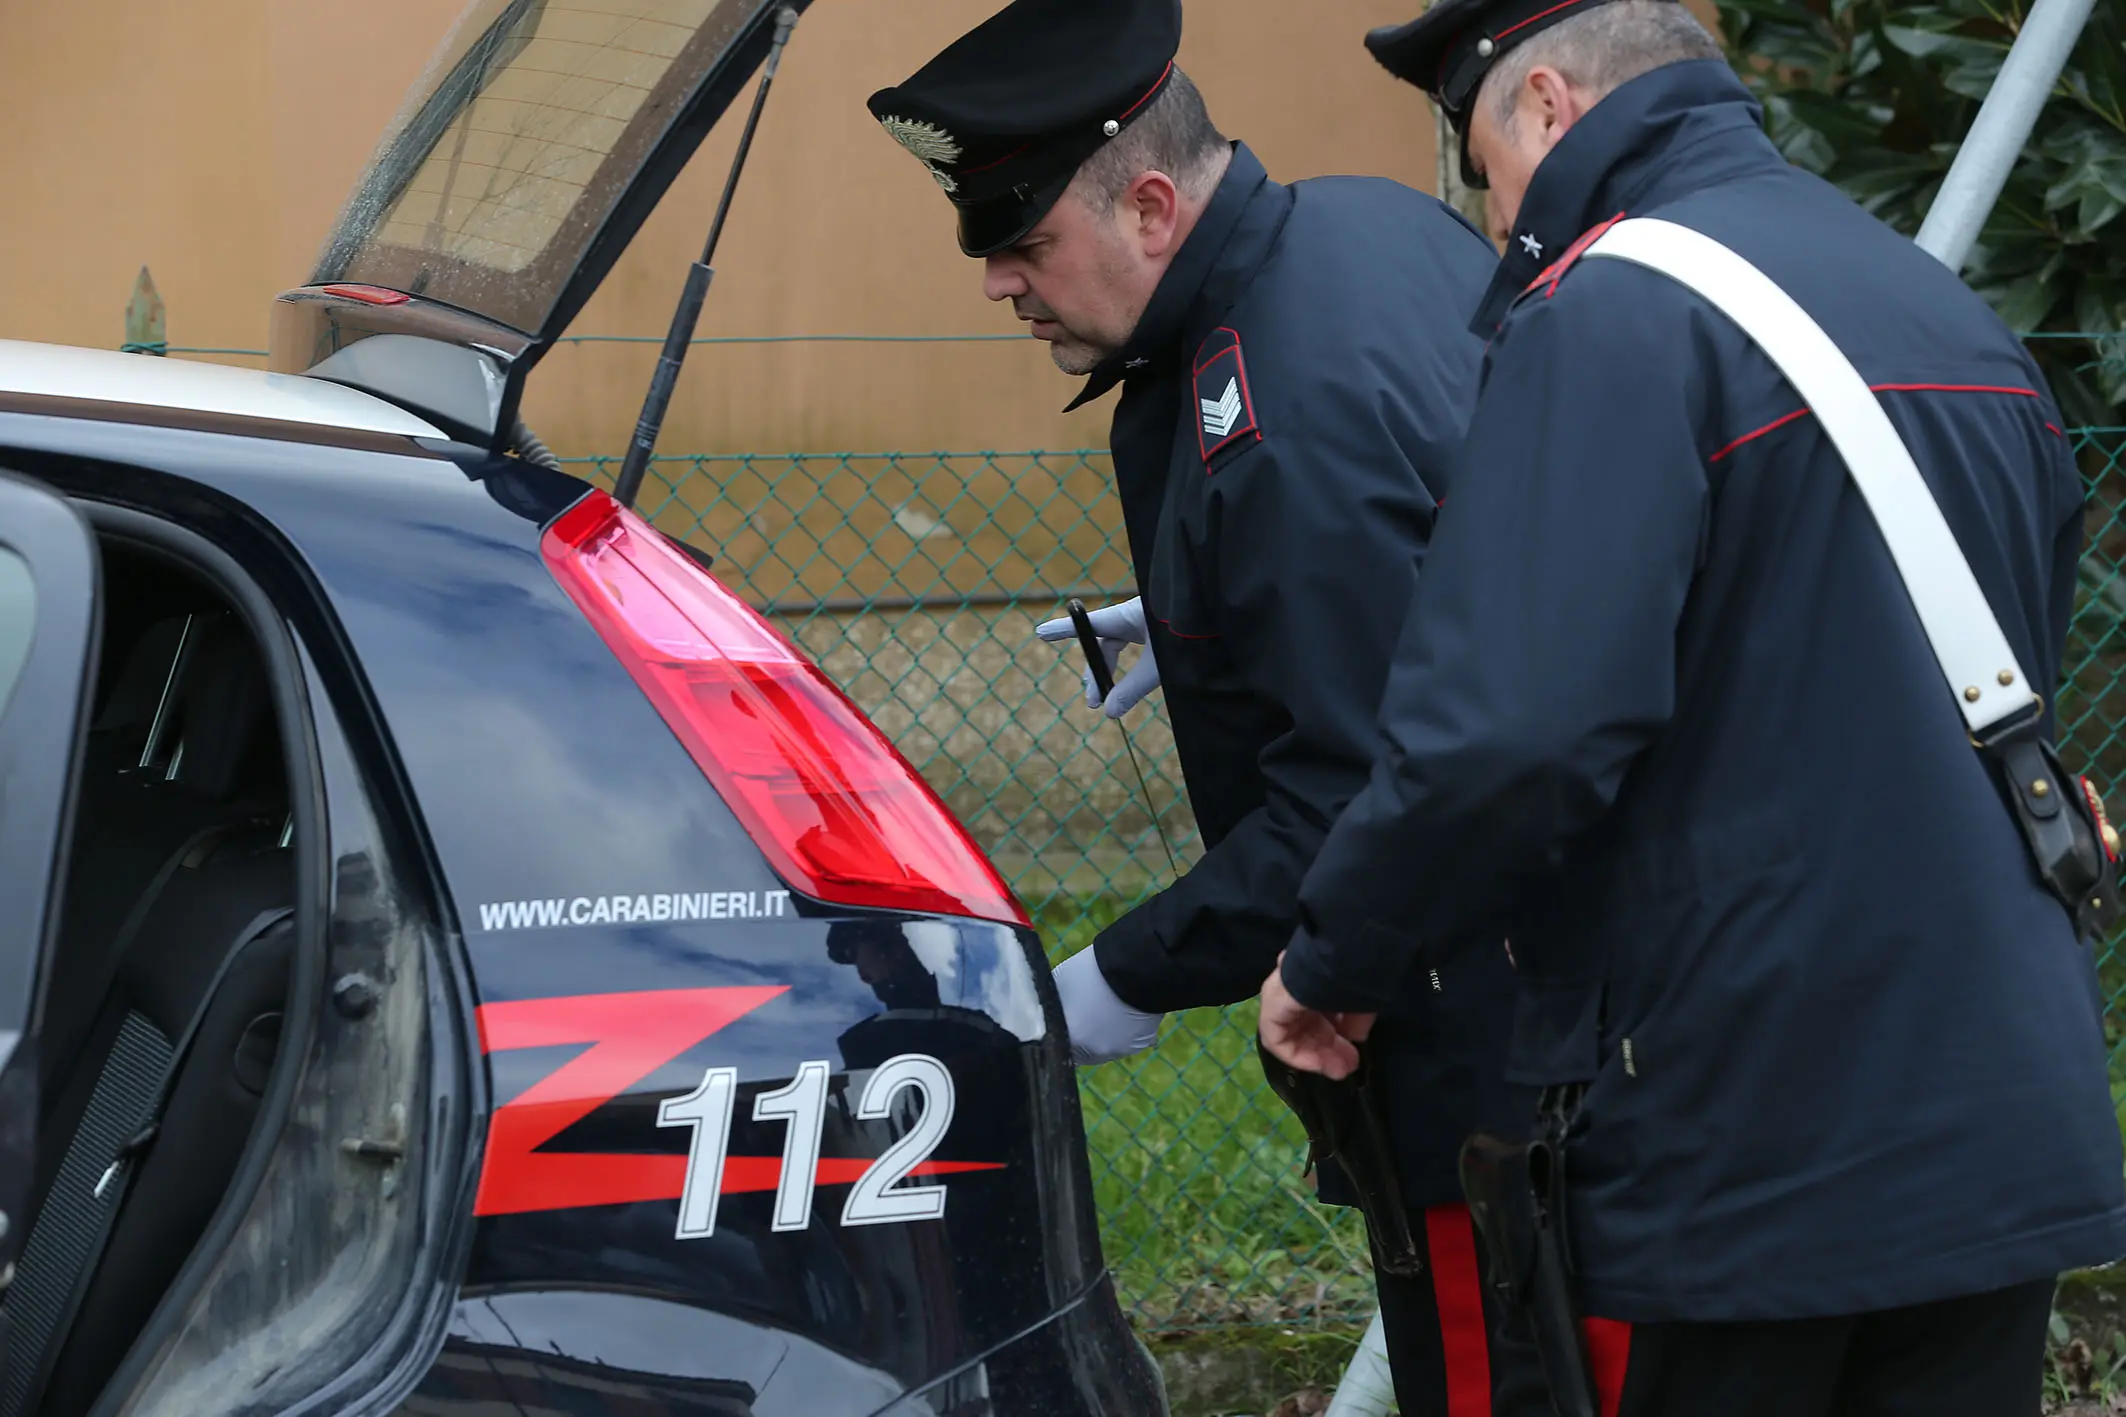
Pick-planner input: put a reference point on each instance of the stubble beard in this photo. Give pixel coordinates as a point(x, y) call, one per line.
point(1072, 351)
point(1075, 357)
point(1079, 352)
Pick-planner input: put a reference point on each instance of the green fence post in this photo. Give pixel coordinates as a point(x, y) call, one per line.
point(144, 319)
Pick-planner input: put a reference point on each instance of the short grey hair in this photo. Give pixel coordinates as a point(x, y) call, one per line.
point(1174, 135)
point(1600, 50)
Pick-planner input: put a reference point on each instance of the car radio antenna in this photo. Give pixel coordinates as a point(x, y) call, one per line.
point(699, 275)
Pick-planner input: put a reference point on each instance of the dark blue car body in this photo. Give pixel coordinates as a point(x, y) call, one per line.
point(519, 901)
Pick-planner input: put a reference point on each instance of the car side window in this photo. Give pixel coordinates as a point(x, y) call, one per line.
point(18, 620)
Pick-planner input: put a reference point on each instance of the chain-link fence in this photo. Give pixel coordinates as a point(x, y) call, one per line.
point(917, 580)
point(2092, 703)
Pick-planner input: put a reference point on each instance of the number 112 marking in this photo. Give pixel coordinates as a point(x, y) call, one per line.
point(801, 1104)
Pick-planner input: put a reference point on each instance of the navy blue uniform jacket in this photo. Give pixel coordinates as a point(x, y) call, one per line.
point(1291, 401)
point(1665, 699)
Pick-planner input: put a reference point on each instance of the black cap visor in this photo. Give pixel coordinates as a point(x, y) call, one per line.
point(1457, 98)
point(1449, 49)
point(999, 222)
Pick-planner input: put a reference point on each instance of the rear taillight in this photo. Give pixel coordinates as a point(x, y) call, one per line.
point(840, 815)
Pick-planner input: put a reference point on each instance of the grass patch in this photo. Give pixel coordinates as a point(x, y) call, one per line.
point(1205, 1216)
point(1254, 1370)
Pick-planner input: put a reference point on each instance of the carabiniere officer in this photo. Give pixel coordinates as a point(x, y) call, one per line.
point(1822, 1046)
point(1294, 368)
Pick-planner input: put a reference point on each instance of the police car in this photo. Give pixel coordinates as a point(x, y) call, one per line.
point(455, 956)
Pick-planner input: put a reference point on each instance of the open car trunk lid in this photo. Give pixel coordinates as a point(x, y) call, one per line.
point(523, 162)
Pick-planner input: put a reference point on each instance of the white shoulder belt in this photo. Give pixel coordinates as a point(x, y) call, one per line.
point(1990, 686)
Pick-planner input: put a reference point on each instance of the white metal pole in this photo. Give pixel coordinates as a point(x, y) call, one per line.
point(2004, 124)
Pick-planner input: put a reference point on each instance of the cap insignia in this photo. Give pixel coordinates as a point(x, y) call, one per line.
point(931, 145)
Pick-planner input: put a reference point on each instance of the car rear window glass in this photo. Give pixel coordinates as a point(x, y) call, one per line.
point(18, 620)
point(522, 137)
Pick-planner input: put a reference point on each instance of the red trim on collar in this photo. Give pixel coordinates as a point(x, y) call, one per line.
point(1555, 271)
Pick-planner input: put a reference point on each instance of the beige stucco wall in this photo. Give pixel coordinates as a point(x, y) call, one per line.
point(209, 140)
point(213, 141)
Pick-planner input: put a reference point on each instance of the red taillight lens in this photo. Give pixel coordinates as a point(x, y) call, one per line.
point(839, 813)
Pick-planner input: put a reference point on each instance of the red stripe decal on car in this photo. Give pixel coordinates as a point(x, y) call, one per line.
point(742, 1174)
point(631, 1037)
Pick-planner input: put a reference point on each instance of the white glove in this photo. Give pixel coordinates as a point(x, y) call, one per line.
point(1102, 1027)
point(1116, 625)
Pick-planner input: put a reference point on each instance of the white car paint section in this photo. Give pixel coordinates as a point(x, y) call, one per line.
point(71, 372)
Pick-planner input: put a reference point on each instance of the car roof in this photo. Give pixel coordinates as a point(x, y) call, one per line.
point(59, 371)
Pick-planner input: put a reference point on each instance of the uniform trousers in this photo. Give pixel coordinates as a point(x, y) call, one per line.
point(1982, 1355)
point(1453, 1352)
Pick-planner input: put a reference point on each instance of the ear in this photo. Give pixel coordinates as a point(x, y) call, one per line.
point(1556, 104)
point(1150, 209)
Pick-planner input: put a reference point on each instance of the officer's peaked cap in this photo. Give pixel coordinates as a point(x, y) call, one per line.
point(1004, 117)
point(1449, 49)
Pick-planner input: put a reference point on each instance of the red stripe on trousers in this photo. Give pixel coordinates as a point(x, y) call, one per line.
point(1458, 1291)
point(1608, 1355)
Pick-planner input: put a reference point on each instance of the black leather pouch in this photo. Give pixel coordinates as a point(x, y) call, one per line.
point(1516, 1194)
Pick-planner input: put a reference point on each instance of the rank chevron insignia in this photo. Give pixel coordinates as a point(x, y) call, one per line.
point(1225, 404)
point(1219, 417)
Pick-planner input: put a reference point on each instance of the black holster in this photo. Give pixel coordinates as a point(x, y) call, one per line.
point(2063, 822)
point(1516, 1194)
point(1345, 1122)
